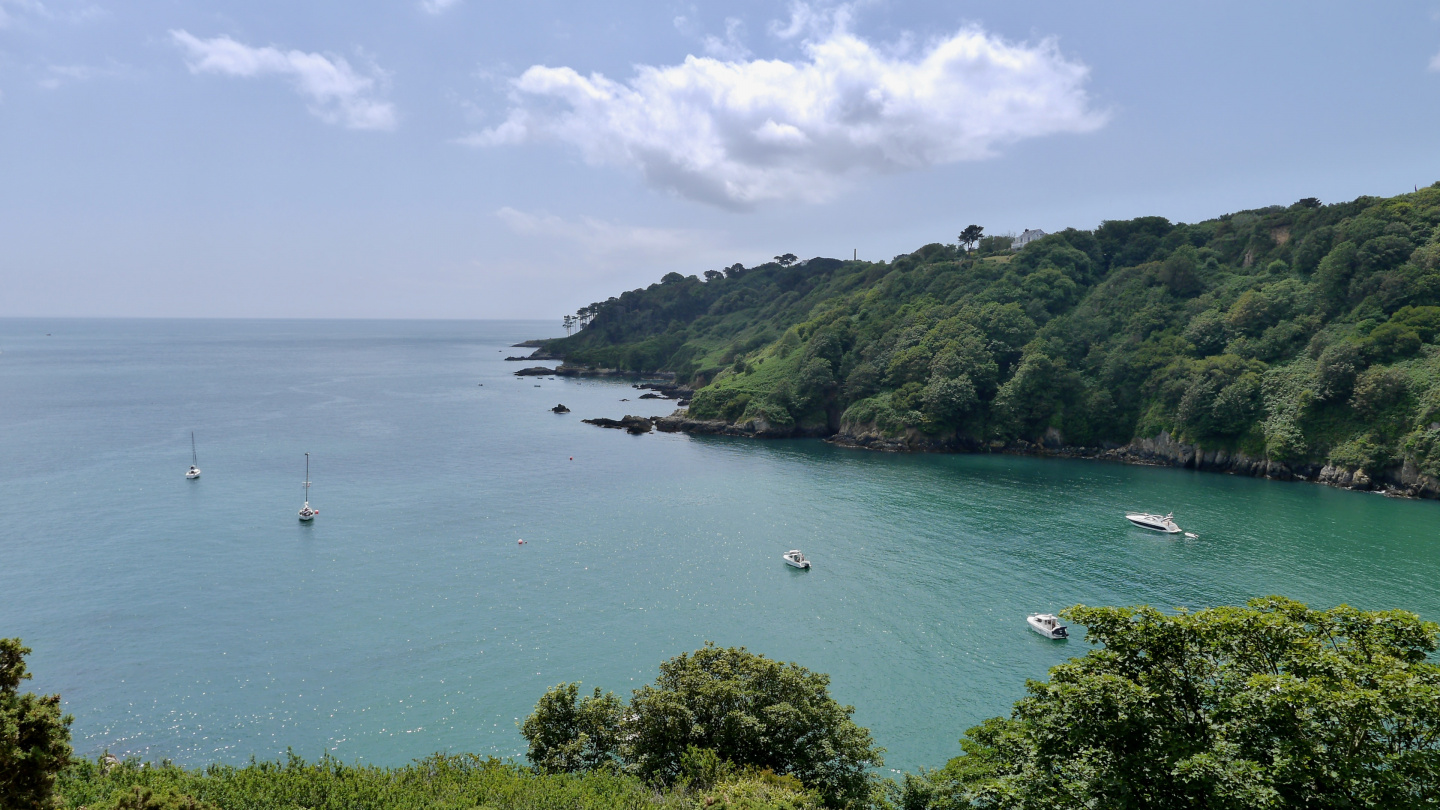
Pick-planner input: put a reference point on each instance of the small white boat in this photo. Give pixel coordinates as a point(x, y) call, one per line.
point(795, 559)
point(1047, 625)
point(306, 513)
point(194, 471)
point(1157, 523)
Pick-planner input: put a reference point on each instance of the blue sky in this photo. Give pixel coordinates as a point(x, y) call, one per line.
point(470, 158)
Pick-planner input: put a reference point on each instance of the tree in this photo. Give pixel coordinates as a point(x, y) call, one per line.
point(970, 236)
point(1178, 272)
point(34, 737)
point(948, 400)
point(713, 275)
point(787, 260)
point(568, 733)
point(1309, 202)
point(748, 709)
point(569, 323)
point(752, 711)
point(1273, 705)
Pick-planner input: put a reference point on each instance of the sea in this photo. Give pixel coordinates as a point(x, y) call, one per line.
point(200, 621)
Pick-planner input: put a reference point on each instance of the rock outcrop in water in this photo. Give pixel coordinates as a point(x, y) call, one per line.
point(631, 424)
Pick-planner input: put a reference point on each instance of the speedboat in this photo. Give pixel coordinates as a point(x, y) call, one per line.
point(795, 559)
point(1047, 625)
point(1157, 523)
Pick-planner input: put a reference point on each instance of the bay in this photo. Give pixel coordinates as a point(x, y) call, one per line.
point(200, 621)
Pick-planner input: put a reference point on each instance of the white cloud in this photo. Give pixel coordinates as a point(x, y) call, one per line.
point(438, 6)
point(1435, 62)
point(69, 12)
point(606, 240)
point(731, 47)
point(735, 132)
point(337, 93)
point(57, 75)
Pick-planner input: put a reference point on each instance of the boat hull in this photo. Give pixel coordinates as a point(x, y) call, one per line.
point(1154, 527)
point(803, 566)
point(1055, 632)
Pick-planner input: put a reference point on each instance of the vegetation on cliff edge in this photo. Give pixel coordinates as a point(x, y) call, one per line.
point(1304, 334)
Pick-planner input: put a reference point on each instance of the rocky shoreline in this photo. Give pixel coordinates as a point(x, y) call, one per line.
point(1162, 451)
point(563, 370)
point(1403, 481)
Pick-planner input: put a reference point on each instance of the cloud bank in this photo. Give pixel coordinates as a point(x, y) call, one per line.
point(735, 132)
point(337, 93)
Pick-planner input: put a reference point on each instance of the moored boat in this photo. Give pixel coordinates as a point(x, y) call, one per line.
point(1047, 625)
point(1156, 523)
point(307, 514)
point(795, 559)
point(194, 471)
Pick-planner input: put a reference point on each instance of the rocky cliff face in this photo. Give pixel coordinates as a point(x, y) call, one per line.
point(1403, 480)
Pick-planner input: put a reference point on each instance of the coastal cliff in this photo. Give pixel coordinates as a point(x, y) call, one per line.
point(1298, 342)
point(1403, 480)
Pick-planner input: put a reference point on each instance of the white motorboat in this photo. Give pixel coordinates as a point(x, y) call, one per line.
point(1047, 625)
point(306, 513)
point(194, 471)
point(1157, 523)
point(795, 559)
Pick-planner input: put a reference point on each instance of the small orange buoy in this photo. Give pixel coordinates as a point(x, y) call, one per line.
point(572, 458)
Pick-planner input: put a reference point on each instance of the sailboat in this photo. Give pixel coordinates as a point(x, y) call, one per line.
point(194, 471)
point(306, 513)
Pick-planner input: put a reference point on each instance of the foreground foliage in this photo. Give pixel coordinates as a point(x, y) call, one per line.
point(1301, 334)
point(34, 737)
point(1272, 705)
point(716, 704)
point(440, 782)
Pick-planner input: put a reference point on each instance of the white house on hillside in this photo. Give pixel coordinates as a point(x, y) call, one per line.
point(1026, 238)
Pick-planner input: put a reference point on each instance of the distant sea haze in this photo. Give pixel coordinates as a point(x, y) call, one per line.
point(201, 621)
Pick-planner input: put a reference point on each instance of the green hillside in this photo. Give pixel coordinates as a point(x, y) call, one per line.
point(1303, 335)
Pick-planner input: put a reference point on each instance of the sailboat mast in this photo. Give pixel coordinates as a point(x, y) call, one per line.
point(307, 478)
point(194, 459)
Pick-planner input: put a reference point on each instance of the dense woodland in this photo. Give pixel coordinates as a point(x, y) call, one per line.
point(1301, 334)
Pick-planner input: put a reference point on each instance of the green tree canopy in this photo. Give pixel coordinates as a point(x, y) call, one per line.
point(1273, 705)
point(748, 709)
point(568, 733)
point(34, 737)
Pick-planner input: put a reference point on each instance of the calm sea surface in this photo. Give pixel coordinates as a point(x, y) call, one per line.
point(200, 621)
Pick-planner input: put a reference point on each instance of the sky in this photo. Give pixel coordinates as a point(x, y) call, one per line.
point(483, 159)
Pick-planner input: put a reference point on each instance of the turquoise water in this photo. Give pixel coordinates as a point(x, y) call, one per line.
point(200, 621)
